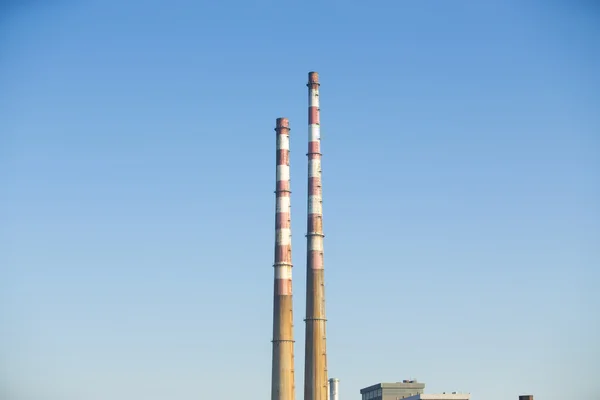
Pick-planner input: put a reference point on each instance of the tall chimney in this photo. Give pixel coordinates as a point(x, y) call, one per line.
point(282, 379)
point(315, 361)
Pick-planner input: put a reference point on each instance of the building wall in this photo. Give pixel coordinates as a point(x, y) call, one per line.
point(373, 393)
point(392, 391)
point(441, 396)
point(401, 393)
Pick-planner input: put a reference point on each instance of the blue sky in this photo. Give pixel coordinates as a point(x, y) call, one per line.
point(461, 192)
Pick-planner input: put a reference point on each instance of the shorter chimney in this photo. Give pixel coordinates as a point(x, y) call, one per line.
point(334, 385)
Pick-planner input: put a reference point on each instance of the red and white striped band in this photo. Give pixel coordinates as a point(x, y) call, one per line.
point(283, 233)
point(315, 201)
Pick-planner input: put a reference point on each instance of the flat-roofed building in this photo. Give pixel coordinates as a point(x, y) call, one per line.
point(392, 391)
point(440, 396)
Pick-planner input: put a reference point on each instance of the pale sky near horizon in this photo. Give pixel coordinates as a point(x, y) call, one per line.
point(461, 161)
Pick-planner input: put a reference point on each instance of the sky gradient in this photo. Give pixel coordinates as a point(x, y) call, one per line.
point(461, 159)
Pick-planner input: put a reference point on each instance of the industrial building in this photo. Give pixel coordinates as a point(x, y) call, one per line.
point(392, 391)
point(408, 390)
point(441, 396)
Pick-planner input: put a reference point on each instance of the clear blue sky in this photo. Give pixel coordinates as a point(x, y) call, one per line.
point(461, 195)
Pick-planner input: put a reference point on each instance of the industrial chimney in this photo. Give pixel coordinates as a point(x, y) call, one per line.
point(282, 378)
point(315, 358)
point(334, 385)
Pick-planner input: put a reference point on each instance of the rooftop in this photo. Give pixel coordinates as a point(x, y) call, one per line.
point(405, 384)
point(440, 396)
